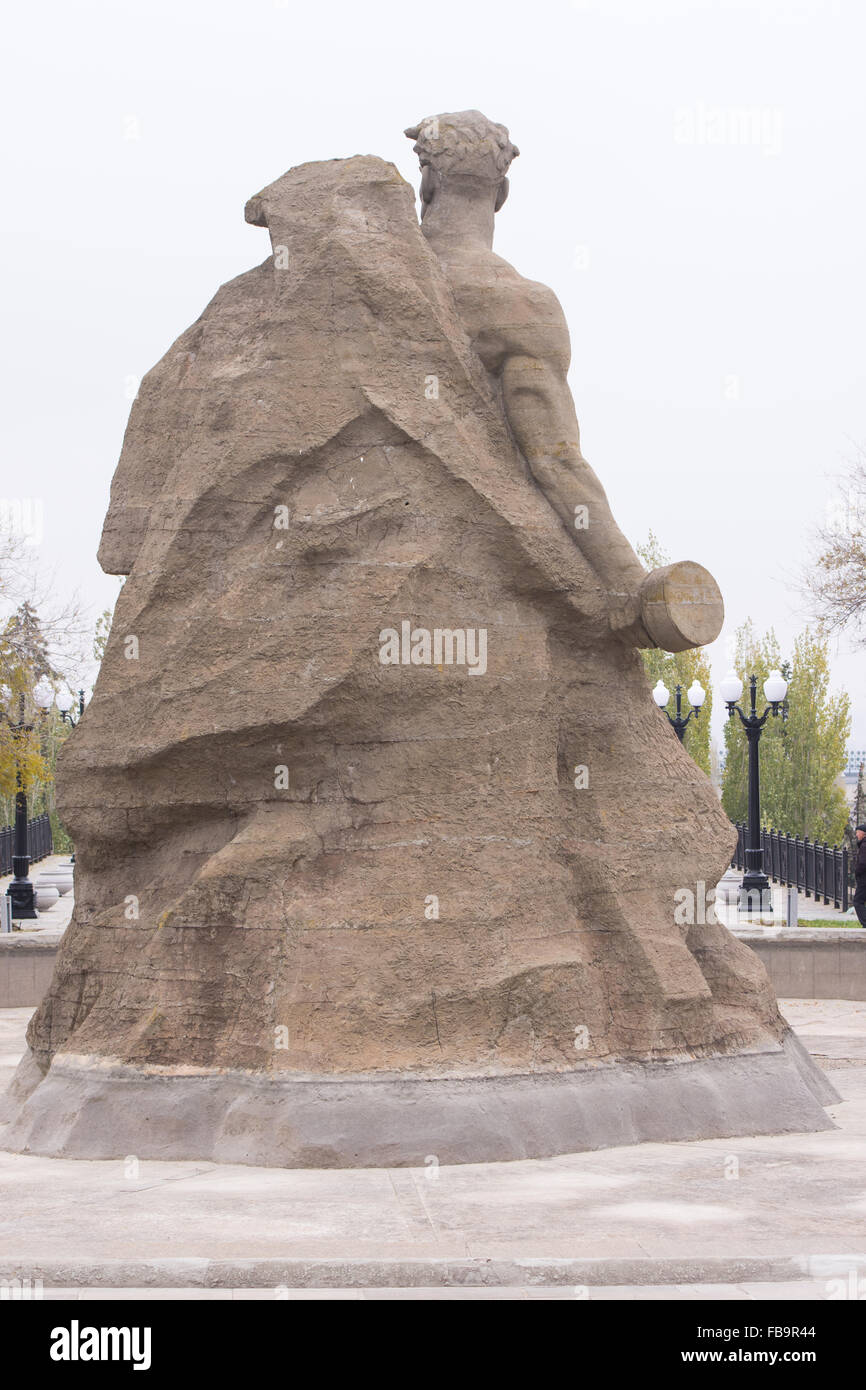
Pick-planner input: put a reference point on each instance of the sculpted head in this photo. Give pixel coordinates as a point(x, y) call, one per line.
point(462, 151)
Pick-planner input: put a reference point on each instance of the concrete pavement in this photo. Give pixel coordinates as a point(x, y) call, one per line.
point(27, 954)
point(808, 909)
point(51, 921)
point(750, 1214)
point(796, 1291)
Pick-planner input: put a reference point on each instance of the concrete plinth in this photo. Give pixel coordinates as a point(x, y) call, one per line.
point(86, 1109)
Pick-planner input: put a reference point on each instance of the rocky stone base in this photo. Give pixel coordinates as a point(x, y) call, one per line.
point(84, 1108)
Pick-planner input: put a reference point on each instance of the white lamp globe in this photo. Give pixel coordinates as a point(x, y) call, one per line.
point(696, 694)
point(661, 694)
point(65, 701)
point(775, 687)
point(731, 688)
point(43, 695)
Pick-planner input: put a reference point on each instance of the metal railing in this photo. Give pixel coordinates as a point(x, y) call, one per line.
point(39, 842)
point(818, 870)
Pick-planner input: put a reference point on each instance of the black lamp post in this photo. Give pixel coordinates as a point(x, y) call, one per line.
point(695, 696)
point(775, 690)
point(20, 890)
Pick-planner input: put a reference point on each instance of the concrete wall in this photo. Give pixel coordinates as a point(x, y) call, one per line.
point(826, 963)
point(26, 963)
point(823, 964)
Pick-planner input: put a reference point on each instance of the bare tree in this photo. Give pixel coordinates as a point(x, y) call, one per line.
point(25, 583)
point(835, 582)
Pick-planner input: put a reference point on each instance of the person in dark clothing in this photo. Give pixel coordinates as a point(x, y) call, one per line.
point(860, 875)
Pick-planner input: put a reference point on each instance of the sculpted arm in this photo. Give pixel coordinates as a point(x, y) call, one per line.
point(541, 413)
point(675, 607)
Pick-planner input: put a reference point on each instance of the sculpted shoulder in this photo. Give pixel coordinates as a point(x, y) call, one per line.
point(507, 315)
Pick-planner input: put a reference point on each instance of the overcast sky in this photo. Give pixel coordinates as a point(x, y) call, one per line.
point(690, 184)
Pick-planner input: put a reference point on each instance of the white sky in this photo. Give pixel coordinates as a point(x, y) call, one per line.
point(712, 284)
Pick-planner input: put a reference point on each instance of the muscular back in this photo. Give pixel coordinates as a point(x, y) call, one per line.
point(505, 314)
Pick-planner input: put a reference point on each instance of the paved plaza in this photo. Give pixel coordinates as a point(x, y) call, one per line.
point(750, 1218)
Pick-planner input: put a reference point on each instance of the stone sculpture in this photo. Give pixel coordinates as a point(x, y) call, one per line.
point(379, 834)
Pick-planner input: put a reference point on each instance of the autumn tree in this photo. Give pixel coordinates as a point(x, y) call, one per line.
point(41, 640)
point(101, 634)
point(802, 757)
point(24, 662)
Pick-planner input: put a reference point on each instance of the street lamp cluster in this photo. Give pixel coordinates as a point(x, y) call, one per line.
point(695, 696)
point(20, 891)
point(755, 880)
point(775, 690)
point(65, 701)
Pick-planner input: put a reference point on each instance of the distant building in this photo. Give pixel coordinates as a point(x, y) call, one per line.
point(856, 756)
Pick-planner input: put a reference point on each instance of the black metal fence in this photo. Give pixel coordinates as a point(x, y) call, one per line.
point(39, 841)
point(818, 870)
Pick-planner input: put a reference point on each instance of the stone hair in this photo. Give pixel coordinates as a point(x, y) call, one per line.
point(463, 142)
